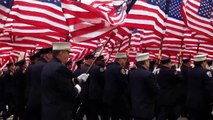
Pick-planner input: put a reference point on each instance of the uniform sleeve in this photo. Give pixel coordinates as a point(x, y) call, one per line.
point(64, 85)
point(152, 85)
point(208, 82)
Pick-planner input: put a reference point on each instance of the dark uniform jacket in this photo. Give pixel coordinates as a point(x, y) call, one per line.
point(168, 79)
point(116, 85)
point(8, 86)
point(143, 93)
point(77, 72)
point(96, 85)
point(34, 100)
point(182, 86)
point(28, 73)
point(200, 89)
point(58, 93)
point(35, 90)
point(85, 86)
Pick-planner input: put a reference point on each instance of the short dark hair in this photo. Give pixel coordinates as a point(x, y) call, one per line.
point(140, 63)
point(56, 52)
point(198, 64)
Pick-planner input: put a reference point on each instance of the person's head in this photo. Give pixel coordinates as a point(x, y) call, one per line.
point(34, 58)
point(10, 66)
point(200, 61)
point(61, 51)
point(100, 61)
point(166, 62)
point(69, 64)
point(46, 53)
point(88, 59)
point(21, 64)
point(186, 62)
point(209, 62)
point(143, 60)
point(79, 63)
point(121, 58)
point(152, 64)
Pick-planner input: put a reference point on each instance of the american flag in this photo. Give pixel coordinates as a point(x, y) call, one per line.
point(149, 38)
point(148, 14)
point(115, 14)
point(174, 23)
point(43, 42)
point(22, 29)
point(198, 16)
point(84, 21)
point(41, 13)
point(5, 7)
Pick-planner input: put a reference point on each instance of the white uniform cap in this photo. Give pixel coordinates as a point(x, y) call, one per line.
point(142, 57)
point(61, 46)
point(121, 55)
point(198, 58)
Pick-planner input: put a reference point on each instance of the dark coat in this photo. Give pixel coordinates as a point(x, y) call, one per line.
point(28, 73)
point(96, 85)
point(168, 80)
point(182, 86)
point(77, 72)
point(116, 85)
point(143, 93)
point(34, 100)
point(85, 86)
point(35, 90)
point(20, 91)
point(58, 93)
point(200, 89)
point(20, 84)
point(8, 86)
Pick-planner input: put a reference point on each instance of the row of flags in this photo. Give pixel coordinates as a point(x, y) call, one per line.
point(171, 27)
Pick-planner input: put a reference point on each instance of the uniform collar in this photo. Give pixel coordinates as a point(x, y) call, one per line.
point(141, 67)
point(165, 67)
point(117, 63)
point(56, 60)
point(42, 59)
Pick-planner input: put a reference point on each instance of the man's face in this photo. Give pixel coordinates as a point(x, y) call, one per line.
point(147, 63)
point(64, 56)
point(123, 61)
point(204, 65)
point(49, 56)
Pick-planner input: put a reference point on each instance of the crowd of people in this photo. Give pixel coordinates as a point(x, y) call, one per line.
point(48, 90)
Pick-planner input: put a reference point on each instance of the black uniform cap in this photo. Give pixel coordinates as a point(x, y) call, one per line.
point(165, 60)
point(20, 63)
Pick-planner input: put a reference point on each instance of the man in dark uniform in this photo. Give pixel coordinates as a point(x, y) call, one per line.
point(58, 92)
point(33, 110)
point(200, 90)
point(168, 79)
point(96, 87)
point(83, 96)
point(115, 89)
point(143, 89)
point(79, 64)
point(33, 59)
point(20, 88)
point(76, 73)
point(182, 87)
point(9, 89)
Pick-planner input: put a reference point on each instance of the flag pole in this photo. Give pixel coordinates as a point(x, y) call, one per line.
point(180, 54)
point(198, 46)
point(160, 51)
point(93, 62)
